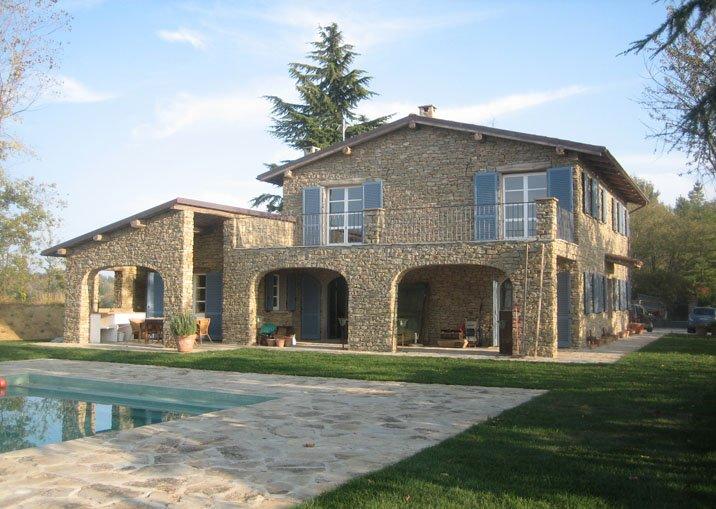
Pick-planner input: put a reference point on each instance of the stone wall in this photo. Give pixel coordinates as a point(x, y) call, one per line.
point(249, 231)
point(209, 251)
point(373, 272)
point(595, 239)
point(420, 168)
point(31, 321)
point(165, 244)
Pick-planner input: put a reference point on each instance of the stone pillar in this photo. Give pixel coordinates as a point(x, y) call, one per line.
point(178, 271)
point(373, 221)
point(77, 302)
point(124, 280)
point(546, 218)
point(372, 304)
point(239, 310)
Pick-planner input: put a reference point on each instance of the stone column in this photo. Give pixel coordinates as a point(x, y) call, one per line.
point(371, 309)
point(178, 271)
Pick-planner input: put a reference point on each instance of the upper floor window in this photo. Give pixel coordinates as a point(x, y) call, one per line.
point(520, 193)
point(345, 215)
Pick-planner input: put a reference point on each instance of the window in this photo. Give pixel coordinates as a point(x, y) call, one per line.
point(275, 292)
point(199, 293)
point(520, 193)
point(345, 215)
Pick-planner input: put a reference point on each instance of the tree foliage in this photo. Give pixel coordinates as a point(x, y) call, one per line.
point(681, 97)
point(28, 59)
point(329, 91)
point(678, 247)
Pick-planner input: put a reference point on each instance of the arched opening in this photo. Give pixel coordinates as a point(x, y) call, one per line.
point(305, 304)
point(126, 304)
point(448, 306)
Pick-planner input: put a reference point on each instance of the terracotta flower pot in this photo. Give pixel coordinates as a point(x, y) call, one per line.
point(186, 343)
point(280, 342)
point(270, 342)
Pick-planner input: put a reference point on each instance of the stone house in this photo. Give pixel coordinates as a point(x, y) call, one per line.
point(394, 235)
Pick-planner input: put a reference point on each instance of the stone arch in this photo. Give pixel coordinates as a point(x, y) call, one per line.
point(451, 293)
point(308, 324)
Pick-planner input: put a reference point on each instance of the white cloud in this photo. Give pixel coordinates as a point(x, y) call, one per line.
point(70, 90)
point(183, 35)
point(480, 112)
point(185, 111)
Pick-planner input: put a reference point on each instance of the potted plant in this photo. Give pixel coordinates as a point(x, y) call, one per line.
point(183, 328)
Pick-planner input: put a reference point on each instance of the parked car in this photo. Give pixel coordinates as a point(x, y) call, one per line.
point(638, 314)
point(701, 316)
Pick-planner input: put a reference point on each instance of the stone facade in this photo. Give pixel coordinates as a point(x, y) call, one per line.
point(164, 244)
point(423, 232)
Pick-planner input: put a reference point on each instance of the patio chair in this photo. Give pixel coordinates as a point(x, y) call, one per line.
point(202, 329)
point(471, 332)
point(267, 331)
point(138, 331)
point(154, 330)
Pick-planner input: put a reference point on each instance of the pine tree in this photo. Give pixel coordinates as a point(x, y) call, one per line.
point(330, 91)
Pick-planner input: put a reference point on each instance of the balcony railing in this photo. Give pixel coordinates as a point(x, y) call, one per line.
point(565, 224)
point(436, 224)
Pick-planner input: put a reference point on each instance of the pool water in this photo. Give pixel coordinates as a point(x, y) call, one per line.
point(37, 409)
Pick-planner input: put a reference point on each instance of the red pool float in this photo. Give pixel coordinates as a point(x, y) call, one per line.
point(3, 393)
point(3, 383)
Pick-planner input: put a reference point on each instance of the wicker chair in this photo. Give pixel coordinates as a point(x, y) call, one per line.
point(202, 329)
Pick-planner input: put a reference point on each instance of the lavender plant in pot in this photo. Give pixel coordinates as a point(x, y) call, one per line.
point(183, 328)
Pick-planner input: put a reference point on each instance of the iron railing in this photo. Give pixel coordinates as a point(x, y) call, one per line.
point(434, 224)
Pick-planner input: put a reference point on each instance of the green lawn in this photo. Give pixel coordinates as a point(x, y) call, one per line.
point(638, 433)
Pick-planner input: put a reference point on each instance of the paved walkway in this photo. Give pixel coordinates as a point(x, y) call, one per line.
point(604, 354)
point(318, 434)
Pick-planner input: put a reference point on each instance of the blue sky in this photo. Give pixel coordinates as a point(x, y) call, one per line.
point(163, 99)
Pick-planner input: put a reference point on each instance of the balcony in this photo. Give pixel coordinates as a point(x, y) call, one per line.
point(540, 219)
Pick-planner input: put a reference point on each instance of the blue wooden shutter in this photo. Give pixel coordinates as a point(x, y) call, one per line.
point(586, 194)
point(564, 312)
point(373, 194)
point(626, 221)
point(595, 199)
point(312, 216)
point(214, 302)
point(268, 292)
point(485, 190)
point(559, 185)
point(597, 293)
point(587, 293)
point(291, 291)
point(627, 288)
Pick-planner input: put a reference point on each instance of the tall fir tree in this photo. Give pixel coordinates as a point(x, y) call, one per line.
point(330, 91)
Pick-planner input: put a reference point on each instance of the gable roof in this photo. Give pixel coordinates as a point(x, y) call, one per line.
point(202, 207)
point(596, 156)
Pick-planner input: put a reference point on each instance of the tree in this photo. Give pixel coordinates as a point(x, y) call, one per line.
point(677, 246)
point(330, 91)
point(682, 94)
point(28, 58)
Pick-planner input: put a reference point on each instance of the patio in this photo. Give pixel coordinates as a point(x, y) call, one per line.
point(318, 434)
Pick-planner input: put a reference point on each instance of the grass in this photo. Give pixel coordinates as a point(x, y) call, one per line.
point(638, 433)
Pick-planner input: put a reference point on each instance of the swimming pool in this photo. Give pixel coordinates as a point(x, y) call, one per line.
point(39, 409)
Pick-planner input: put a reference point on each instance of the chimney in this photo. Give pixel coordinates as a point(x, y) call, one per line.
point(427, 110)
point(310, 150)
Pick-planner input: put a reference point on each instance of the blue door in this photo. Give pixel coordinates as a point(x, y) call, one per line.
point(310, 307)
point(564, 313)
point(214, 301)
point(155, 295)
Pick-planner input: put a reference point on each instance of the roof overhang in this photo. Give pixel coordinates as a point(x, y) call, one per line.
point(623, 260)
point(595, 156)
point(197, 206)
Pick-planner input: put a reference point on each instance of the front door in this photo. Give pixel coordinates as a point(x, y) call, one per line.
point(214, 303)
point(564, 315)
point(337, 306)
point(310, 307)
point(506, 318)
point(155, 295)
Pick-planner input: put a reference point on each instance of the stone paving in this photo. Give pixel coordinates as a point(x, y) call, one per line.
point(319, 433)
